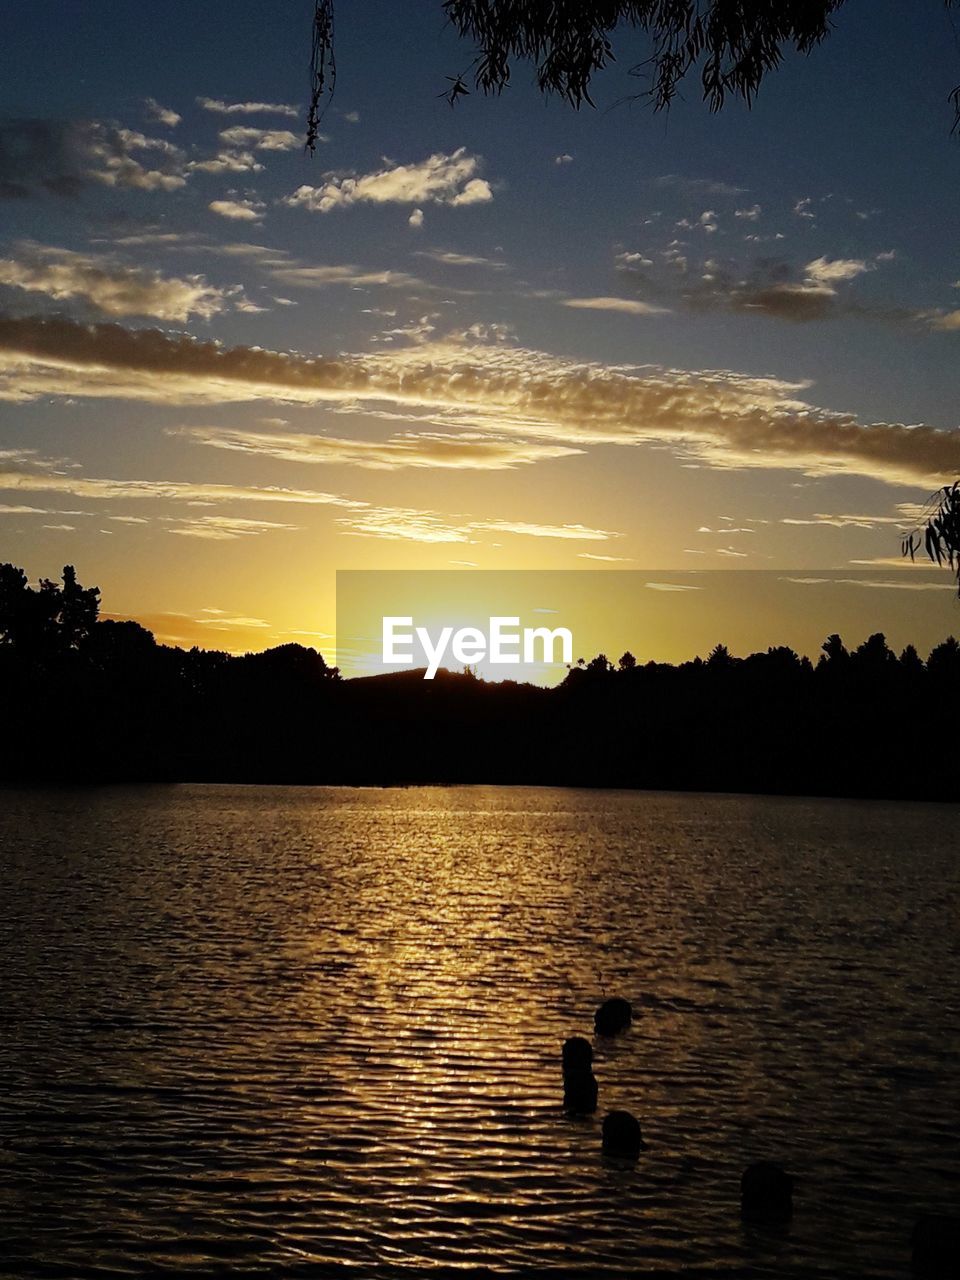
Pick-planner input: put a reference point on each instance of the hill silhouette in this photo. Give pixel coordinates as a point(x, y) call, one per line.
point(86, 700)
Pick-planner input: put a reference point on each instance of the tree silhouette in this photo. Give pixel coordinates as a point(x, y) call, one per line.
point(833, 652)
point(89, 700)
point(733, 44)
point(48, 618)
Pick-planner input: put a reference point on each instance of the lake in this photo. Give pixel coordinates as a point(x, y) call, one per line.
point(267, 1030)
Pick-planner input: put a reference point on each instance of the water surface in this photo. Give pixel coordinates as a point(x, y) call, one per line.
point(273, 1030)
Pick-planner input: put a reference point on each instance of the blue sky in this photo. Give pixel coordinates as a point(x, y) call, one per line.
point(507, 335)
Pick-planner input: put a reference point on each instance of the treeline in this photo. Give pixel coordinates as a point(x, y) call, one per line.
point(85, 700)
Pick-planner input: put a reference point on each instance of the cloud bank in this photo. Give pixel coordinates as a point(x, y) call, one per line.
point(719, 418)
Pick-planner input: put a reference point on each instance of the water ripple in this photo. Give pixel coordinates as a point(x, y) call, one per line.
point(274, 1031)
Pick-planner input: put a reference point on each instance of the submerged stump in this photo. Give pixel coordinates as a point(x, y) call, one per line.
point(577, 1054)
point(766, 1193)
point(580, 1092)
point(936, 1246)
point(613, 1016)
point(621, 1135)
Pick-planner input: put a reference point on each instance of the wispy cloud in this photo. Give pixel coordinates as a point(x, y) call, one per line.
point(220, 107)
point(450, 259)
point(566, 532)
point(111, 287)
point(238, 210)
point(322, 277)
point(405, 525)
point(909, 514)
point(160, 114)
point(97, 488)
point(592, 555)
point(440, 179)
point(126, 158)
point(422, 449)
point(362, 518)
point(246, 138)
point(226, 528)
point(629, 306)
point(698, 186)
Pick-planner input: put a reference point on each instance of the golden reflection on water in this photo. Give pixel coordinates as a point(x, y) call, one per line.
point(276, 1028)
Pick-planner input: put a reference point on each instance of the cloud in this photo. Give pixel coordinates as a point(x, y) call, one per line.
point(114, 289)
point(113, 154)
point(100, 489)
point(563, 159)
point(400, 524)
point(238, 210)
point(629, 305)
point(591, 555)
point(769, 286)
point(60, 158)
point(322, 277)
point(871, 583)
point(222, 619)
point(830, 271)
point(364, 519)
point(160, 239)
point(416, 219)
point(219, 107)
point(719, 418)
point(424, 449)
point(440, 179)
point(226, 529)
point(909, 514)
point(567, 532)
point(699, 186)
point(42, 157)
point(227, 162)
point(450, 259)
point(751, 214)
point(949, 321)
point(260, 139)
point(161, 115)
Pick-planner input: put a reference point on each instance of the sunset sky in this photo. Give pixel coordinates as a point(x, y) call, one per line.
point(501, 336)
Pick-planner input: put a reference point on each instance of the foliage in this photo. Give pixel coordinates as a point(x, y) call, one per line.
point(938, 530)
point(733, 44)
point(323, 70)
